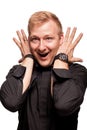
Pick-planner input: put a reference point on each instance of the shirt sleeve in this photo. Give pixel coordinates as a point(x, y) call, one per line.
point(11, 90)
point(69, 88)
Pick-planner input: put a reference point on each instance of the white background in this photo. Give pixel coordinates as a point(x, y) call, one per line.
point(14, 15)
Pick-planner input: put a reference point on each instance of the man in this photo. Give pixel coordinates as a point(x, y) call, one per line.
point(46, 88)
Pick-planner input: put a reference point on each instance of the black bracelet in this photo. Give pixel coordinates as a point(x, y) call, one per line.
point(29, 55)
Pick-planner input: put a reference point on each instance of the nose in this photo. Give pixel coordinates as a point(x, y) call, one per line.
point(41, 46)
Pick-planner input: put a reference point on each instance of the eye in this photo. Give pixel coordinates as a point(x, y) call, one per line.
point(34, 39)
point(49, 38)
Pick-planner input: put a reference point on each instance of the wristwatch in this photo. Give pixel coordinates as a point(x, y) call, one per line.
point(62, 56)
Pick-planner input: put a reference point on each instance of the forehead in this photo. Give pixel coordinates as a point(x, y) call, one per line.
point(47, 28)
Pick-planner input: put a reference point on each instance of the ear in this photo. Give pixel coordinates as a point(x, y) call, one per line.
point(61, 38)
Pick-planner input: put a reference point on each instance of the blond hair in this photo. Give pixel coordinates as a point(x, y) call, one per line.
point(40, 17)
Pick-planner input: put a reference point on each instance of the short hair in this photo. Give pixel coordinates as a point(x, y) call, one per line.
point(40, 17)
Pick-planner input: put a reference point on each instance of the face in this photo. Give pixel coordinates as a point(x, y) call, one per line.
point(44, 42)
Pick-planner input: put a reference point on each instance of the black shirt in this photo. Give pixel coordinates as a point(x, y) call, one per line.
point(37, 109)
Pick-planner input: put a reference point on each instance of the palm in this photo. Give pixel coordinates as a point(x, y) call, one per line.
point(68, 45)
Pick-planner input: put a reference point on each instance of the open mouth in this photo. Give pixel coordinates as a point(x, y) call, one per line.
point(43, 55)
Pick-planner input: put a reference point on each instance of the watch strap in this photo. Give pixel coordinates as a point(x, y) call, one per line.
point(62, 56)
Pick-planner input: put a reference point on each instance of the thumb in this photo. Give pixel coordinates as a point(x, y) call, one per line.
point(75, 59)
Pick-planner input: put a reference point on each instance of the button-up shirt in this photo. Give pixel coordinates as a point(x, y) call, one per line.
point(37, 108)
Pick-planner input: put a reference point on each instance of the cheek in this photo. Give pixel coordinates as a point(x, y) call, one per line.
point(32, 47)
point(55, 48)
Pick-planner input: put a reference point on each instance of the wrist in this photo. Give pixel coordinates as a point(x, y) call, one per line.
point(60, 64)
point(27, 62)
point(62, 57)
point(26, 56)
point(29, 56)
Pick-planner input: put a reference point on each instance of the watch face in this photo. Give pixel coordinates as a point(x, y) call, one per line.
point(63, 57)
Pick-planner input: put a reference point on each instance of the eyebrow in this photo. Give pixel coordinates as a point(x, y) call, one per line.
point(43, 36)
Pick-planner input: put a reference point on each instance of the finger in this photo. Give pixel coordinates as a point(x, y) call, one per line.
point(23, 39)
point(77, 40)
point(19, 36)
point(67, 34)
point(19, 45)
point(74, 59)
point(72, 35)
point(24, 35)
point(17, 42)
point(20, 60)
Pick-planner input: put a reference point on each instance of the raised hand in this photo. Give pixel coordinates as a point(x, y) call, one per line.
point(68, 45)
point(22, 43)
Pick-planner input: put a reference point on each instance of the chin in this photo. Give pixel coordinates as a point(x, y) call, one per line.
point(43, 64)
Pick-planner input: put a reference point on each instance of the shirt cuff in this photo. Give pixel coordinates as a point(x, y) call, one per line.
point(62, 73)
point(18, 71)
